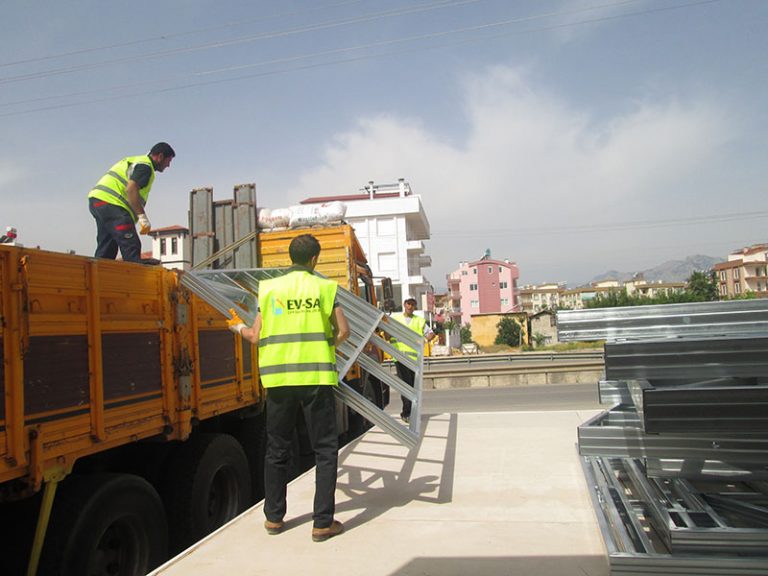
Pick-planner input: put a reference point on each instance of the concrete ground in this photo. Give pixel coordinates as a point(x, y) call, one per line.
point(485, 494)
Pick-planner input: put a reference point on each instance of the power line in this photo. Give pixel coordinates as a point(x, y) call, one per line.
point(170, 36)
point(605, 227)
point(240, 40)
point(357, 58)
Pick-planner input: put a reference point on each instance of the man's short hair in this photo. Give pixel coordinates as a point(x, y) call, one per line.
point(163, 148)
point(410, 301)
point(303, 248)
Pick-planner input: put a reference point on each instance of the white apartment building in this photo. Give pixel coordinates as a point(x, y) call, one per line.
point(171, 246)
point(390, 222)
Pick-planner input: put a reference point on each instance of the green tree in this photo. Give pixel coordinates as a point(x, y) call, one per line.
point(466, 334)
point(508, 332)
point(702, 286)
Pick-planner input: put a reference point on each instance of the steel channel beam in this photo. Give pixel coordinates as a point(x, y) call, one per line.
point(686, 359)
point(617, 433)
point(730, 409)
point(700, 319)
point(704, 469)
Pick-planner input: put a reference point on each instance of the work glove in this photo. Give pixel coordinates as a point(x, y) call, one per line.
point(235, 323)
point(144, 225)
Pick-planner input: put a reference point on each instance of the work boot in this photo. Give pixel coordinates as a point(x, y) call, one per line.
point(322, 534)
point(273, 528)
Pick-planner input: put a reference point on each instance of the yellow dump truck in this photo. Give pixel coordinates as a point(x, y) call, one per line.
point(131, 423)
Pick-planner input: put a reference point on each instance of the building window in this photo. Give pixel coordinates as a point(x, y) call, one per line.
point(474, 271)
point(464, 273)
point(505, 301)
point(501, 269)
point(737, 288)
point(502, 285)
point(735, 273)
point(490, 269)
point(722, 276)
point(473, 287)
point(474, 303)
point(174, 245)
point(162, 246)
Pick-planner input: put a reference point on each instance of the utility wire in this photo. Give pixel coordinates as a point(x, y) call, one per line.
point(170, 36)
point(606, 227)
point(352, 59)
point(240, 40)
point(336, 51)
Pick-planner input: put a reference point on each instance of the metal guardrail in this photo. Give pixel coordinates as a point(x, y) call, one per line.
point(431, 362)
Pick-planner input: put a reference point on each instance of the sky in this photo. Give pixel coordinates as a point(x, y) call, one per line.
point(569, 136)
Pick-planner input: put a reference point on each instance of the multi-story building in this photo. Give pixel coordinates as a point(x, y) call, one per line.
point(746, 270)
point(535, 298)
point(171, 246)
point(486, 286)
point(390, 222)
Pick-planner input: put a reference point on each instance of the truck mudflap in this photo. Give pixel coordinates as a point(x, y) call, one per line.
point(370, 330)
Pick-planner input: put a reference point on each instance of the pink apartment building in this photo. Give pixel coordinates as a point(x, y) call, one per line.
point(485, 286)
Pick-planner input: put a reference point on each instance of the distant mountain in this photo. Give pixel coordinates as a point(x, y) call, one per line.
point(671, 271)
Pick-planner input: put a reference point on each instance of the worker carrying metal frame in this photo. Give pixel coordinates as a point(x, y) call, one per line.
point(297, 328)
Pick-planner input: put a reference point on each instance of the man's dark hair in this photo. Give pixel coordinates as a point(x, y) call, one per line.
point(303, 248)
point(411, 301)
point(163, 148)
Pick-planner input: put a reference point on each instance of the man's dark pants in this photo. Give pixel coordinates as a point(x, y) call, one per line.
point(114, 229)
point(319, 407)
point(406, 375)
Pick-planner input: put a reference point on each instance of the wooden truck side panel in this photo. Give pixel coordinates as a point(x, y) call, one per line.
point(97, 354)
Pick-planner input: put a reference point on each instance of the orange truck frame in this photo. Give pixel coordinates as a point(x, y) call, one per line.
point(132, 420)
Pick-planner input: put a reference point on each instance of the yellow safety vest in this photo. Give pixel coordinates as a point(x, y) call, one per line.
point(417, 325)
point(111, 187)
point(296, 342)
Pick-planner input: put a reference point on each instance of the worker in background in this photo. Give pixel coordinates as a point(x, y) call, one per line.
point(418, 325)
point(297, 328)
point(118, 199)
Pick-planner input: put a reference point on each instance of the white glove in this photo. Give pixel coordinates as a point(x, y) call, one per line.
point(144, 225)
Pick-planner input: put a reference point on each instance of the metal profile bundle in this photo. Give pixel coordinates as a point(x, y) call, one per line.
point(689, 320)
point(676, 466)
point(369, 328)
point(633, 542)
point(687, 359)
point(224, 232)
point(619, 433)
point(729, 408)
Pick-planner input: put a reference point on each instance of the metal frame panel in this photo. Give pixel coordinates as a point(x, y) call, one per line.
point(699, 319)
point(633, 547)
point(238, 289)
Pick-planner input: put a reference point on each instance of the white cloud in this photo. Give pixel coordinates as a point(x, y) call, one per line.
point(531, 161)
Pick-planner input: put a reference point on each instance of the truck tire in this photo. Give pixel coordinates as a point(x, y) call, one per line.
point(105, 525)
point(206, 485)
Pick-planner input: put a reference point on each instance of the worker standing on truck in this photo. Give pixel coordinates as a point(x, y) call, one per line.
point(297, 328)
point(117, 202)
point(418, 325)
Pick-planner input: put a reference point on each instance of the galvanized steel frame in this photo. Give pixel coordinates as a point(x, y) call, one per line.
point(238, 289)
point(631, 548)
